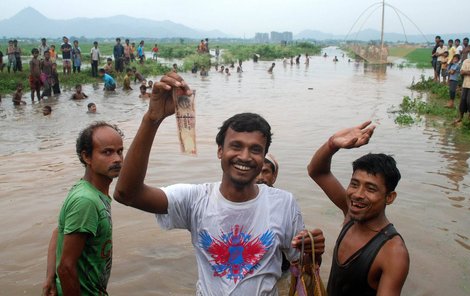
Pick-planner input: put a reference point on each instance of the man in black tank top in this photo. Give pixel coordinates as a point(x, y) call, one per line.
point(370, 257)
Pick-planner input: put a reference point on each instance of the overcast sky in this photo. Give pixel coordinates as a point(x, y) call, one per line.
point(245, 17)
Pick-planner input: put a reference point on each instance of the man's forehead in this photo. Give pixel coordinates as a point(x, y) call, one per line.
point(231, 133)
point(364, 176)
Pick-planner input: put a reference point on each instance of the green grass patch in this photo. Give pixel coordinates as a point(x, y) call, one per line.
point(412, 110)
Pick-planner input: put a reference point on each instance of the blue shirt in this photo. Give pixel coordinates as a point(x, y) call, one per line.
point(456, 68)
point(108, 80)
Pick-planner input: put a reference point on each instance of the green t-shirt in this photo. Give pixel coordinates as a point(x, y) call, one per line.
point(87, 210)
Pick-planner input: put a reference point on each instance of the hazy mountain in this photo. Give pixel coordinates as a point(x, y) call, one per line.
point(30, 23)
point(371, 34)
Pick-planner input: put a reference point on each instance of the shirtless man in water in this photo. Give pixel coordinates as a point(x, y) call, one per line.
point(370, 257)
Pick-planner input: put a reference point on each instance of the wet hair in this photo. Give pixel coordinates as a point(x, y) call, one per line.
point(90, 104)
point(245, 122)
point(34, 50)
point(143, 87)
point(382, 165)
point(48, 108)
point(85, 138)
point(78, 85)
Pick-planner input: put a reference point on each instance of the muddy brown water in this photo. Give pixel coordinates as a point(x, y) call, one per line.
point(304, 106)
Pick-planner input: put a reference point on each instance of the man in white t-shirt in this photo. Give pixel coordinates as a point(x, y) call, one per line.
point(239, 229)
point(441, 49)
point(458, 47)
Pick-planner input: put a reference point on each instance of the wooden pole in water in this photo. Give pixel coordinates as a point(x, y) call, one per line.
point(382, 32)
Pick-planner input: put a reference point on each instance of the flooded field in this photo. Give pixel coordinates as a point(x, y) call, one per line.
point(304, 104)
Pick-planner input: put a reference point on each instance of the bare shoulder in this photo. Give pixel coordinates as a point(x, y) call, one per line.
point(394, 255)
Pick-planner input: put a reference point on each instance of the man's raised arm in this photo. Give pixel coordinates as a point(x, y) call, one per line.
point(130, 188)
point(319, 168)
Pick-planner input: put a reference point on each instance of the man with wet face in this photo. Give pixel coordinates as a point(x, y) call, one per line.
point(370, 257)
point(82, 242)
point(238, 228)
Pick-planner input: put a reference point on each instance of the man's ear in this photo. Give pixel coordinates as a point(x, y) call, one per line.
point(219, 152)
point(86, 158)
point(390, 198)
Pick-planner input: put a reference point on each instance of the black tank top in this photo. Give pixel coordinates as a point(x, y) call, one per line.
point(350, 278)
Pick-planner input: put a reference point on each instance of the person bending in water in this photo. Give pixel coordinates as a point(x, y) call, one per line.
point(109, 83)
point(79, 256)
point(249, 224)
point(270, 70)
point(17, 98)
point(126, 84)
point(79, 95)
point(370, 257)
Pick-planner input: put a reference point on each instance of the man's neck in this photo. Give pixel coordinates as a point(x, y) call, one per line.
point(372, 225)
point(99, 182)
point(236, 193)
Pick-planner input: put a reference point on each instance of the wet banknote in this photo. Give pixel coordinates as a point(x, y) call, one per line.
point(185, 120)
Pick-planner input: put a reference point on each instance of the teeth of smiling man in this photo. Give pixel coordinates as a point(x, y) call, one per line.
point(357, 204)
point(241, 167)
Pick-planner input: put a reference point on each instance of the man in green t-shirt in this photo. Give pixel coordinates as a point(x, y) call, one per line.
point(80, 251)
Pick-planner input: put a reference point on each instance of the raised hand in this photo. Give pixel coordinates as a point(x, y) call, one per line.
point(161, 101)
point(353, 137)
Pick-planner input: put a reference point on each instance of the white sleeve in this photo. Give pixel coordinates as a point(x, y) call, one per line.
point(297, 224)
point(180, 204)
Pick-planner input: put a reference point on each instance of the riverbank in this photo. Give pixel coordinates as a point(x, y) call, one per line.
point(431, 100)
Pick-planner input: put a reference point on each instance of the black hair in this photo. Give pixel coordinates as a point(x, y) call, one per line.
point(85, 138)
point(90, 104)
point(457, 40)
point(48, 108)
point(437, 37)
point(143, 87)
point(118, 39)
point(128, 70)
point(456, 56)
point(465, 39)
point(96, 42)
point(379, 164)
point(109, 59)
point(245, 122)
point(101, 70)
point(34, 50)
point(450, 40)
point(78, 85)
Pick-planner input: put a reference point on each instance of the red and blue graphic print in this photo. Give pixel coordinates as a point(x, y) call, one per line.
point(236, 253)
